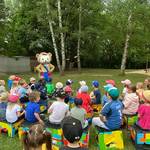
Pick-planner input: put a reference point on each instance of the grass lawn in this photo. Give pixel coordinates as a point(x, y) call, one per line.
point(101, 75)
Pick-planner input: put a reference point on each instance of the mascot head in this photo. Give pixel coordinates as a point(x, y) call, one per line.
point(44, 58)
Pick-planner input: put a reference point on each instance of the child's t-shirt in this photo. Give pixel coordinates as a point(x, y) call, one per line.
point(22, 92)
point(131, 103)
point(86, 101)
point(78, 113)
point(11, 114)
point(97, 95)
point(68, 90)
point(3, 106)
point(59, 110)
point(32, 108)
point(144, 119)
point(105, 99)
point(113, 113)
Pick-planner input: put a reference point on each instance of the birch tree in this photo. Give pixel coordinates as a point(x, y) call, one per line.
point(53, 37)
point(79, 38)
point(61, 36)
point(128, 35)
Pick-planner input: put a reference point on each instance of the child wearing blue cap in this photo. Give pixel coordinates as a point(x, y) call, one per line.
point(95, 94)
point(110, 117)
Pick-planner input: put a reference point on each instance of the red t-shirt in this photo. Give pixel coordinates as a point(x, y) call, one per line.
point(86, 101)
point(144, 119)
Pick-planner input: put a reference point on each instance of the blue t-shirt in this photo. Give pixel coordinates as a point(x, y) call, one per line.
point(97, 95)
point(105, 100)
point(32, 108)
point(22, 92)
point(113, 113)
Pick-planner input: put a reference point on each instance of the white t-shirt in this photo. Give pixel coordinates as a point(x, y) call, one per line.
point(11, 114)
point(59, 110)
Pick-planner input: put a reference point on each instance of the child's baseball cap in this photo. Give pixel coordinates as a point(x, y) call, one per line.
point(60, 94)
point(13, 98)
point(59, 85)
point(69, 81)
point(146, 95)
point(110, 82)
point(84, 88)
point(82, 82)
point(126, 82)
point(107, 87)
point(72, 129)
point(32, 79)
point(95, 83)
point(113, 93)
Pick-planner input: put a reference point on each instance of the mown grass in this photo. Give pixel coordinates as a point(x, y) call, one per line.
point(101, 75)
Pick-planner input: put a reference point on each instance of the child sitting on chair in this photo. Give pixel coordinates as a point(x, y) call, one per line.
point(95, 94)
point(22, 91)
point(72, 129)
point(110, 117)
point(32, 83)
point(58, 87)
point(13, 111)
point(85, 98)
point(82, 83)
point(68, 90)
point(79, 113)
point(126, 84)
point(144, 111)
point(32, 111)
point(37, 139)
point(131, 101)
point(58, 110)
point(15, 87)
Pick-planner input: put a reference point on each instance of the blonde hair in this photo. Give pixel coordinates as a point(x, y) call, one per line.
point(34, 95)
point(10, 105)
point(22, 82)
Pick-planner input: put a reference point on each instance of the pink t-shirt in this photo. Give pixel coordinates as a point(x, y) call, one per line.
point(144, 119)
point(131, 103)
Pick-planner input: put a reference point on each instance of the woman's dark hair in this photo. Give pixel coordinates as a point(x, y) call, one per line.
point(36, 136)
point(78, 102)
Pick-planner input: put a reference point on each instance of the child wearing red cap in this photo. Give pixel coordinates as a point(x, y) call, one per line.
point(13, 111)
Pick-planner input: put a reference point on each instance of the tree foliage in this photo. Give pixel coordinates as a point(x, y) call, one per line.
point(24, 30)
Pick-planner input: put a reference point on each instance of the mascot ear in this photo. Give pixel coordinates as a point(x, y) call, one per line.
point(37, 55)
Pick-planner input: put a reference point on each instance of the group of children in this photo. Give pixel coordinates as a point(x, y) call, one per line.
point(24, 100)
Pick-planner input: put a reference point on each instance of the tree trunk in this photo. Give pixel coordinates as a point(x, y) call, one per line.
point(53, 37)
point(79, 39)
point(125, 53)
point(61, 36)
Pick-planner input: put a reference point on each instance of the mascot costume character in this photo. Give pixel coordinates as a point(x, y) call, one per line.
point(45, 68)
